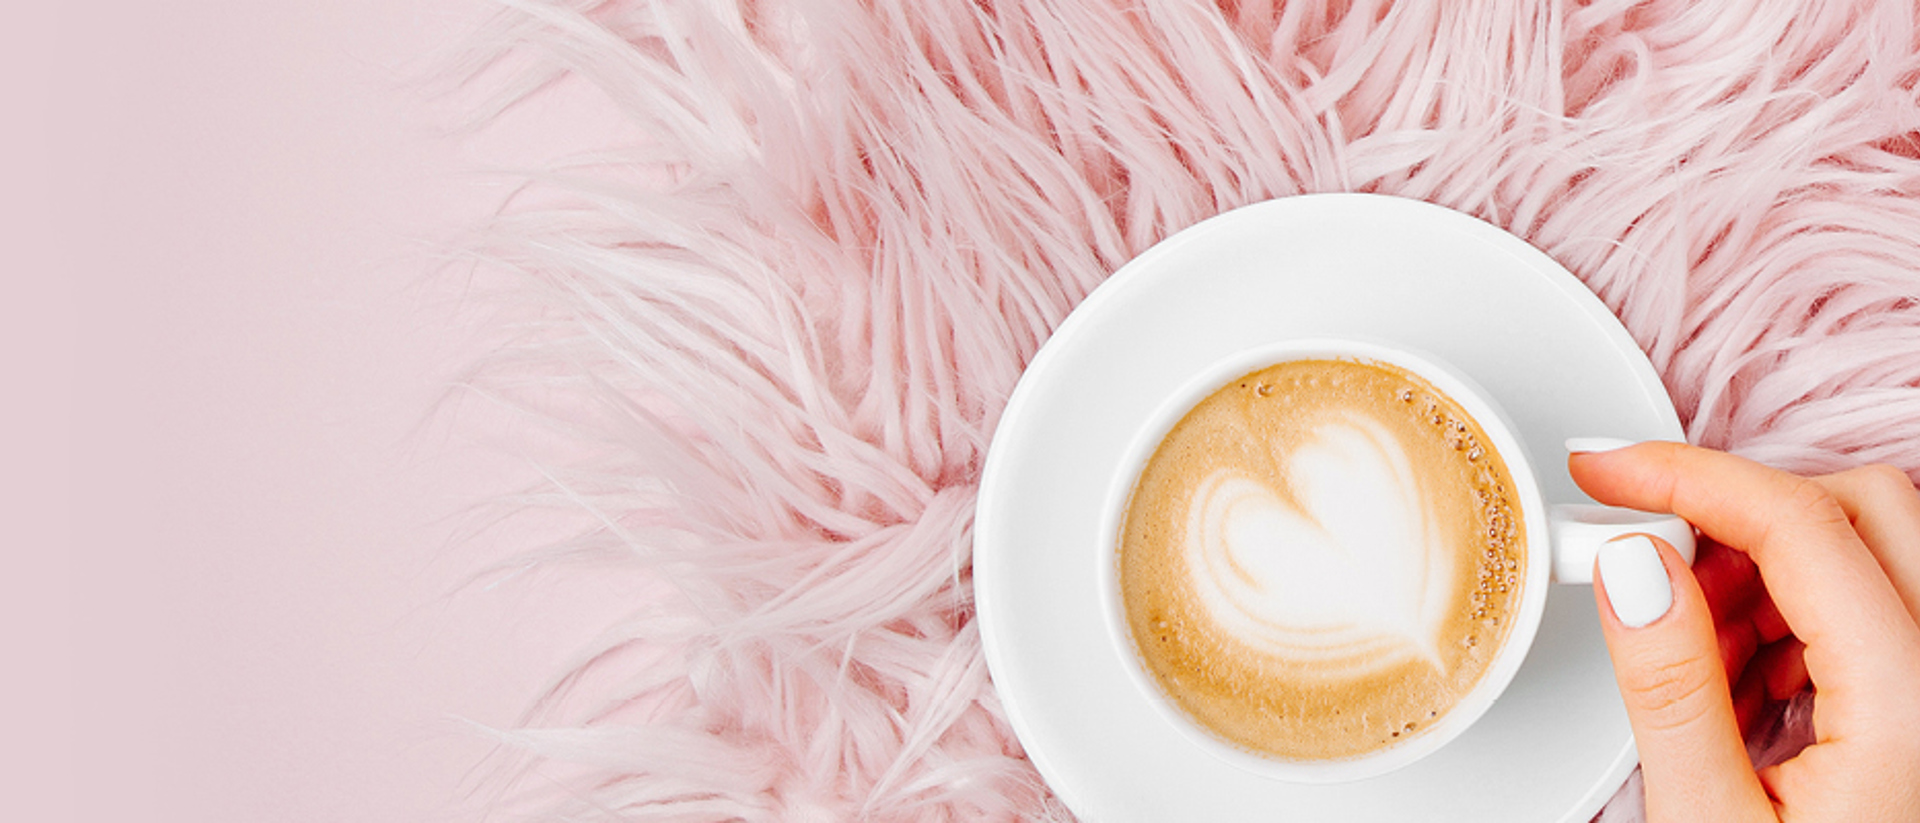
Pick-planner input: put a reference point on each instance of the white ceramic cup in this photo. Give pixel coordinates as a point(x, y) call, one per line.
point(1566, 536)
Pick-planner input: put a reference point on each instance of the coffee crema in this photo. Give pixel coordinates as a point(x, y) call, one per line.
point(1322, 558)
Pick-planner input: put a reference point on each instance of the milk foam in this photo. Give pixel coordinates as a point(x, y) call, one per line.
point(1340, 568)
point(1321, 558)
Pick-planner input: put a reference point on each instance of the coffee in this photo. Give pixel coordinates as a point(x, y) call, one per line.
point(1321, 558)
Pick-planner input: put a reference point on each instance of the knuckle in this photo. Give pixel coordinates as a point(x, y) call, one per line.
point(1671, 459)
point(1672, 694)
point(1883, 480)
point(1815, 505)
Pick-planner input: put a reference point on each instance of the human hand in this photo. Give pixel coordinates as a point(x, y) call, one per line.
point(1838, 557)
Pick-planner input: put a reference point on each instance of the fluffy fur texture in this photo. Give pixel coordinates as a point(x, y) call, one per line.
point(774, 334)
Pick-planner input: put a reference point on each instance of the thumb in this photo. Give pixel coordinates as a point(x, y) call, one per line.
point(1667, 660)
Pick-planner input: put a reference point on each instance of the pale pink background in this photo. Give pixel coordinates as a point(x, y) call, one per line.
point(231, 590)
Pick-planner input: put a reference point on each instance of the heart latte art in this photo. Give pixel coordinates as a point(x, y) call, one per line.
point(1320, 559)
point(1348, 571)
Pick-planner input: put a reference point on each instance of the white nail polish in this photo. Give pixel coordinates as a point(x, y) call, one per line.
point(1636, 580)
point(1588, 445)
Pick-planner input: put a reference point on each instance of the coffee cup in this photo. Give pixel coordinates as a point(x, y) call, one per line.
point(1325, 559)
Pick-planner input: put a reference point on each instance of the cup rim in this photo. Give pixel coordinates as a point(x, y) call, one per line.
point(1500, 673)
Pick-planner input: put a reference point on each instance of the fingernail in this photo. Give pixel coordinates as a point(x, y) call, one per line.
point(1636, 581)
point(1588, 445)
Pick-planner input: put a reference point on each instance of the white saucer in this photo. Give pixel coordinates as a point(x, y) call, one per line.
point(1555, 747)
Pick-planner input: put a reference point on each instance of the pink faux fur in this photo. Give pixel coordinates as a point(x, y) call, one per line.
point(776, 333)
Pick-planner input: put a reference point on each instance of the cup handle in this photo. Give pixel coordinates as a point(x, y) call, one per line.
point(1579, 529)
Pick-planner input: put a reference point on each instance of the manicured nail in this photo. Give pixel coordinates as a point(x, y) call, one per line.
point(1588, 445)
point(1636, 580)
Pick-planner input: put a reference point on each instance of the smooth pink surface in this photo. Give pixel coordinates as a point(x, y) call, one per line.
point(232, 513)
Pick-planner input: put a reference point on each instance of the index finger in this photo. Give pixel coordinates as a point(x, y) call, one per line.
point(1823, 579)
